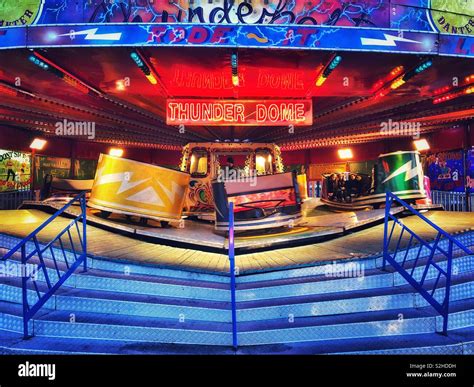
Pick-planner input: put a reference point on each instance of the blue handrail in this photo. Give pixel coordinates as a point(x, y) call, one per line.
point(30, 310)
point(232, 274)
point(442, 307)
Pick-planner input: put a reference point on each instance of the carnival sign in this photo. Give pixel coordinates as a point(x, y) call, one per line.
point(239, 112)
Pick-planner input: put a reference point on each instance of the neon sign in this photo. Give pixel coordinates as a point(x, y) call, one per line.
point(239, 112)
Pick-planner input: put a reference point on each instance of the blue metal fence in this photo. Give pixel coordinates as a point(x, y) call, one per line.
point(397, 257)
point(453, 201)
point(12, 200)
point(29, 278)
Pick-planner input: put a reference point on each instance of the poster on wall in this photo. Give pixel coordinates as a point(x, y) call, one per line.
point(15, 170)
point(446, 171)
point(470, 170)
point(84, 169)
point(56, 166)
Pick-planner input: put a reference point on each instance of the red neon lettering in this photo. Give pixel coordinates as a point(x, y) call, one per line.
point(300, 113)
point(261, 113)
point(218, 112)
point(173, 106)
point(239, 113)
point(273, 113)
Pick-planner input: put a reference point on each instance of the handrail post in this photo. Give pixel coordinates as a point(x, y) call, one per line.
point(385, 231)
point(24, 290)
point(84, 229)
point(232, 274)
point(448, 287)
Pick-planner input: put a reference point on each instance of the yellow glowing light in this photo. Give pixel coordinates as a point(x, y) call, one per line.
point(260, 163)
point(38, 144)
point(152, 79)
point(235, 80)
point(397, 70)
point(421, 145)
point(397, 83)
point(320, 80)
point(345, 154)
point(470, 90)
point(117, 152)
point(120, 85)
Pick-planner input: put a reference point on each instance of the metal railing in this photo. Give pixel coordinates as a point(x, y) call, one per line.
point(232, 274)
point(12, 200)
point(29, 278)
point(453, 201)
point(435, 266)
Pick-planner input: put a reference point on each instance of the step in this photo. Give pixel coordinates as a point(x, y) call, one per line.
point(355, 325)
point(320, 284)
point(78, 300)
point(348, 302)
point(137, 283)
point(369, 263)
point(86, 325)
point(13, 344)
point(458, 342)
point(200, 308)
point(142, 305)
point(133, 328)
point(115, 265)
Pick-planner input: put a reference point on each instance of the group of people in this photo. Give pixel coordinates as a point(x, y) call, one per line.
point(342, 187)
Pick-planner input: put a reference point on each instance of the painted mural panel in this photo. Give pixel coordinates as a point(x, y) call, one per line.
point(15, 170)
point(445, 16)
point(446, 171)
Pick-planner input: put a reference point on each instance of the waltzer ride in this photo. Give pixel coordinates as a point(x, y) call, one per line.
point(398, 172)
point(251, 175)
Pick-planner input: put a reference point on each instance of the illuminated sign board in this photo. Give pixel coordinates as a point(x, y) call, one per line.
point(239, 112)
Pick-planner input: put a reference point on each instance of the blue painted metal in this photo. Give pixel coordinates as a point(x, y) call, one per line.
point(232, 274)
point(30, 310)
point(305, 37)
point(442, 307)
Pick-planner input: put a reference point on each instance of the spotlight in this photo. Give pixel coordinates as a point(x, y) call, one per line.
point(397, 83)
point(421, 145)
point(234, 66)
point(333, 63)
point(345, 154)
point(117, 152)
point(38, 144)
point(418, 69)
point(139, 61)
point(38, 62)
